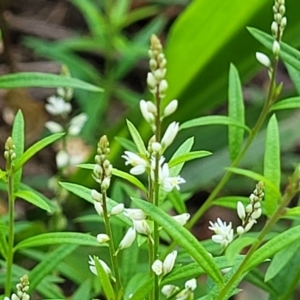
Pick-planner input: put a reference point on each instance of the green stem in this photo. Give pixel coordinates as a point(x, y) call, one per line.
point(112, 252)
point(10, 251)
point(240, 272)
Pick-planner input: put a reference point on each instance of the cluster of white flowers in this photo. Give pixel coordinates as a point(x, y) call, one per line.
point(223, 232)
point(166, 266)
point(186, 293)
point(22, 289)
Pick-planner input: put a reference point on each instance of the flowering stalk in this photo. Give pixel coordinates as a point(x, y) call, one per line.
point(10, 155)
point(102, 174)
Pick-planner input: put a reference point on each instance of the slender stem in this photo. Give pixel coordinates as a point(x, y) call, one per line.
point(113, 256)
point(10, 251)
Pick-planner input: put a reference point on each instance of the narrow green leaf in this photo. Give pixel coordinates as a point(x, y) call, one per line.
point(79, 190)
point(294, 76)
point(230, 201)
point(54, 238)
point(236, 111)
point(273, 246)
point(287, 53)
point(136, 138)
point(257, 177)
point(86, 166)
point(3, 240)
point(289, 103)
point(126, 143)
point(36, 148)
point(144, 289)
point(292, 212)
point(19, 141)
point(104, 280)
point(35, 79)
point(48, 264)
point(33, 198)
point(177, 201)
point(2, 174)
point(182, 237)
point(130, 179)
point(187, 157)
point(214, 120)
point(84, 290)
point(280, 259)
point(272, 165)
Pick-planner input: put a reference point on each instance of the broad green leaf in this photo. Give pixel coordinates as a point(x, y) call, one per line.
point(287, 53)
point(19, 141)
point(272, 165)
point(129, 178)
point(182, 237)
point(257, 177)
point(273, 246)
point(56, 238)
point(187, 157)
point(36, 148)
point(35, 79)
point(237, 246)
point(33, 198)
point(236, 111)
point(214, 120)
point(289, 103)
point(136, 138)
point(280, 259)
point(48, 264)
point(104, 280)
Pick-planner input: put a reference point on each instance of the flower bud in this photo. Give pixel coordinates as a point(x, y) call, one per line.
point(96, 196)
point(128, 239)
point(256, 214)
point(249, 225)
point(116, 210)
point(156, 147)
point(134, 214)
point(170, 134)
point(241, 210)
point(105, 183)
point(54, 127)
point(141, 227)
point(169, 289)
point(263, 59)
point(169, 262)
point(98, 208)
point(171, 108)
point(157, 267)
point(102, 238)
point(62, 159)
point(163, 86)
point(191, 284)
point(276, 48)
point(181, 219)
point(151, 81)
point(240, 230)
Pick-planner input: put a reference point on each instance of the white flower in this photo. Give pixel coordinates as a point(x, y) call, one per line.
point(151, 108)
point(170, 134)
point(53, 127)
point(157, 267)
point(256, 214)
point(119, 208)
point(171, 108)
point(147, 114)
point(169, 262)
point(191, 284)
point(57, 106)
point(96, 195)
point(167, 182)
point(98, 208)
point(249, 225)
point(263, 59)
point(103, 264)
point(134, 214)
point(163, 86)
point(102, 238)
point(169, 289)
point(181, 219)
point(141, 227)
point(223, 233)
point(62, 159)
point(241, 210)
point(77, 123)
point(139, 164)
point(151, 81)
point(128, 239)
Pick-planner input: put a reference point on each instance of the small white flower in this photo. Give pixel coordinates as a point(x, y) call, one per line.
point(276, 48)
point(151, 81)
point(148, 116)
point(102, 238)
point(62, 159)
point(128, 239)
point(141, 227)
point(168, 183)
point(156, 147)
point(240, 230)
point(151, 108)
point(118, 209)
point(256, 214)
point(57, 106)
point(170, 134)
point(105, 183)
point(191, 284)
point(163, 86)
point(14, 297)
point(96, 195)
point(103, 264)
point(169, 262)
point(157, 267)
point(54, 127)
point(139, 164)
point(181, 219)
point(98, 208)
point(169, 289)
point(77, 123)
point(263, 59)
point(171, 108)
point(134, 214)
point(241, 210)
point(249, 225)
point(223, 232)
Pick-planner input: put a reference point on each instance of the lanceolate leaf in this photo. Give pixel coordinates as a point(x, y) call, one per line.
point(295, 77)
point(36, 148)
point(273, 246)
point(182, 237)
point(136, 138)
point(290, 103)
point(33, 198)
point(36, 79)
point(272, 165)
point(188, 156)
point(213, 120)
point(236, 112)
point(55, 238)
